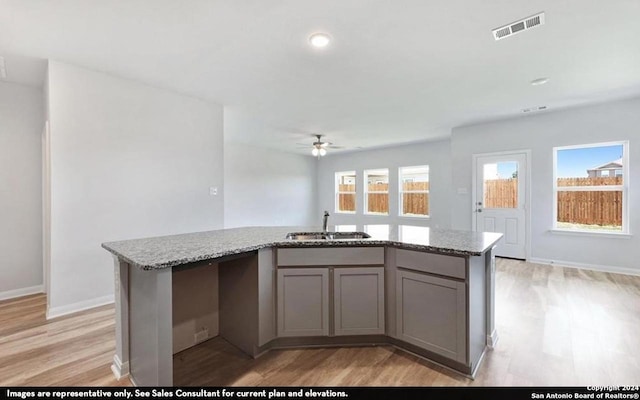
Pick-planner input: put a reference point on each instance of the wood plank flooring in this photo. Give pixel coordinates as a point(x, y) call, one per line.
point(74, 350)
point(557, 326)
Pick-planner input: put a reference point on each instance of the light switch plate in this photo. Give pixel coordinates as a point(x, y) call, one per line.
point(213, 190)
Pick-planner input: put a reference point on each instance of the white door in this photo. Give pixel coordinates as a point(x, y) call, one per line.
point(500, 201)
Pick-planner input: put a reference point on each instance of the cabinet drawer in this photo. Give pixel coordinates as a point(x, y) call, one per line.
point(331, 256)
point(432, 263)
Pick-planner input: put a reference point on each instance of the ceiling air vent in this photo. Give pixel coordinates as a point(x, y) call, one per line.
point(534, 109)
point(518, 26)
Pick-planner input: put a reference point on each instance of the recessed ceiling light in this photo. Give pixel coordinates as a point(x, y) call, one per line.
point(539, 81)
point(319, 39)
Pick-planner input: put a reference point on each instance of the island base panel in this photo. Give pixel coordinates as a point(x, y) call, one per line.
point(150, 327)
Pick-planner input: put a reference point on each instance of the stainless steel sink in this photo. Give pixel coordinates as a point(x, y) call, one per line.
point(307, 236)
point(349, 235)
point(327, 235)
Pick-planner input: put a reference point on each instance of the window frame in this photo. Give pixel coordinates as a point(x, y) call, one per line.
point(401, 192)
point(367, 192)
point(624, 188)
point(337, 191)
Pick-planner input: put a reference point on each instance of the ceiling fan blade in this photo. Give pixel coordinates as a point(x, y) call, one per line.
point(336, 147)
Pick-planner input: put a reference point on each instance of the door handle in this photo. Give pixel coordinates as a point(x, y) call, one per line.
point(479, 210)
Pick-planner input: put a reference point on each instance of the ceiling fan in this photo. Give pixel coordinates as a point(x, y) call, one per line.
point(319, 148)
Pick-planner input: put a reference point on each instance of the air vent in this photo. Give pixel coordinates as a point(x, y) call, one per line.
point(3, 69)
point(534, 109)
point(518, 26)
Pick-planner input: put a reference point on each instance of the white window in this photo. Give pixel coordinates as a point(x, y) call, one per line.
point(413, 234)
point(346, 192)
point(591, 188)
point(380, 232)
point(345, 228)
point(376, 192)
point(414, 191)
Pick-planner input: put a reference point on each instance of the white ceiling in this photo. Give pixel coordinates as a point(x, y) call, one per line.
point(396, 71)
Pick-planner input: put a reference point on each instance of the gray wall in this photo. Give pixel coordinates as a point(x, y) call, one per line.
point(127, 161)
point(21, 126)
point(436, 154)
point(265, 187)
point(540, 133)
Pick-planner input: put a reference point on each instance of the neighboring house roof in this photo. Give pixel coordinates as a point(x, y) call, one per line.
point(611, 164)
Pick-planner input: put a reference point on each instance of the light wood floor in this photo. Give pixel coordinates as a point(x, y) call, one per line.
point(557, 326)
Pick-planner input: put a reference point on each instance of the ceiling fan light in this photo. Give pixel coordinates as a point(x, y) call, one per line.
point(323, 151)
point(315, 152)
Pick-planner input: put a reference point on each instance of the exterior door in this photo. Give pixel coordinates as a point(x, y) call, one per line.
point(500, 201)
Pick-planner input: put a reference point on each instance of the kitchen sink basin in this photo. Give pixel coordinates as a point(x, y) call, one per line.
point(327, 235)
point(307, 236)
point(349, 235)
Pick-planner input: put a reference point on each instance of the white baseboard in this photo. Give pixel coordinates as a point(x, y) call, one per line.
point(492, 339)
point(592, 267)
point(120, 369)
point(55, 312)
point(12, 294)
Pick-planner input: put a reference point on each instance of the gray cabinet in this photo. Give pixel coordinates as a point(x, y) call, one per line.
point(431, 313)
point(358, 295)
point(303, 302)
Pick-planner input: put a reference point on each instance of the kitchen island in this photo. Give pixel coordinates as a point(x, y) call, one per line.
point(430, 292)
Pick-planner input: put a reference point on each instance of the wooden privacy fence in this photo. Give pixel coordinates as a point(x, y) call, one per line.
point(347, 201)
point(576, 207)
point(501, 193)
point(415, 203)
point(412, 203)
point(590, 207)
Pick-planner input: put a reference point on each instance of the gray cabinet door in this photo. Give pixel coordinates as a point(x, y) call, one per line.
point(431, 313)
point(358, 295)
point(303, 302)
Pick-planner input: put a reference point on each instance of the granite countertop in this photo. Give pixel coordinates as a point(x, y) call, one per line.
point(168, 251)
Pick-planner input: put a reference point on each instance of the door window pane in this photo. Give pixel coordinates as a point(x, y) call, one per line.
point(500, 185)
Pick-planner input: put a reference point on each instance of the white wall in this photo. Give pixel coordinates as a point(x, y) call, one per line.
point(127, 161)
point(265, 187)
point(21, 125)
point(435, 154)
point(540, 133)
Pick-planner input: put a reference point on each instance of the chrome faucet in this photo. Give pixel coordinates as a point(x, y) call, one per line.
point(325, 221)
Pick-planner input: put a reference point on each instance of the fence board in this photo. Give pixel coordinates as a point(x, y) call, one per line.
point(590, 207)
point(501, 193)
